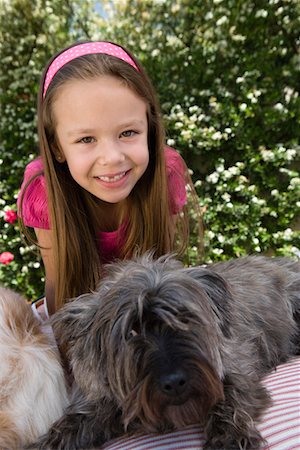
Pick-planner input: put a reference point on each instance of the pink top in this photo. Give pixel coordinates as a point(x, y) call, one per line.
point(35, 208)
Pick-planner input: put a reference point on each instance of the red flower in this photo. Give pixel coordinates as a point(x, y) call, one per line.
point(6, 257)
point(10, 216)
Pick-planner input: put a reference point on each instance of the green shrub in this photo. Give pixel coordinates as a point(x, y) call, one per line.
point(228, 76)
point(30, 32)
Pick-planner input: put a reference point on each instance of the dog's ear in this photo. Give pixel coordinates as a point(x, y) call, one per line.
point(74, 318)
point(218, 291)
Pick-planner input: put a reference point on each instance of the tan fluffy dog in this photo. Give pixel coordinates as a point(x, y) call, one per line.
point(32, 388)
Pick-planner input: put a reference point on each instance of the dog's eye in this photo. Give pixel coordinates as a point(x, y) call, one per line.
point(132, 333)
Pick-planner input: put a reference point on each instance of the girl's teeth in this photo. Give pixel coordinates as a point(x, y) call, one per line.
point(112, 179)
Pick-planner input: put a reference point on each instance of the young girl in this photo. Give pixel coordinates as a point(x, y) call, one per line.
point(105, 186)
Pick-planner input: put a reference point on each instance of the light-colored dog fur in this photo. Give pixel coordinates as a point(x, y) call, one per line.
point(32, 387)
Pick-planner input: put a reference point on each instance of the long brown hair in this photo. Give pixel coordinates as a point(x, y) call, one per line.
point(150, 225)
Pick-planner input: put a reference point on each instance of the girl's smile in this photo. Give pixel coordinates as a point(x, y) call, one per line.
point(102, 128)
point(114, 181)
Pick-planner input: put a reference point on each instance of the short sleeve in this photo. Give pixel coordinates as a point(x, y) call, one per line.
point(34, 212)
point(176, 173)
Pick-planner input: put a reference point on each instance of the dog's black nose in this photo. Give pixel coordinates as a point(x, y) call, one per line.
point(173, 383)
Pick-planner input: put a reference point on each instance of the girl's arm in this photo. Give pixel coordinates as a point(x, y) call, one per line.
point(44, 238)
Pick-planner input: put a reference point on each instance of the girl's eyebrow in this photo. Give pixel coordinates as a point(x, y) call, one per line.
point(88, 131)
point(80, 131)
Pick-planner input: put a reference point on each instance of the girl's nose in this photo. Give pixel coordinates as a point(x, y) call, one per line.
point(109, 153)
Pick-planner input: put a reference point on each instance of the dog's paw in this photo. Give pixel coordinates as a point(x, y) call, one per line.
point(52, 440)
point(231, 442)
point(71, 432)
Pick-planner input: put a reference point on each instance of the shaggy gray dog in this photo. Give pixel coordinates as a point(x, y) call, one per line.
point(160, 346)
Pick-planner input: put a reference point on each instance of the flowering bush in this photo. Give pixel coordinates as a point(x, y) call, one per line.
point(30, 32)
point(227, 74)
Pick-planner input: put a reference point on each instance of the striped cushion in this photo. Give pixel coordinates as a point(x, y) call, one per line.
point(280, 425)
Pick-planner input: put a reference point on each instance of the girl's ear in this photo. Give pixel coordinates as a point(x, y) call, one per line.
point(59, 157)
point(58, 153)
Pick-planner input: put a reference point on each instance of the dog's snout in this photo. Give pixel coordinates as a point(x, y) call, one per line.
point(174, 383)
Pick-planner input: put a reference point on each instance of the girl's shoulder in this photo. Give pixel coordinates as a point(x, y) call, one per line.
point(32, 198)
point(35, 166)
point(177, 175)
point(174, 161)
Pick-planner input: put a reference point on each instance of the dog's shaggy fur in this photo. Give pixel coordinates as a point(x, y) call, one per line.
point(160, 346)
point(32, 386)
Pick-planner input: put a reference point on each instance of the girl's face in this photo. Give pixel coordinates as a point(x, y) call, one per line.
point(101, 127)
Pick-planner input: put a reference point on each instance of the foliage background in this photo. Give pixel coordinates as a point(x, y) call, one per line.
point(227, 74)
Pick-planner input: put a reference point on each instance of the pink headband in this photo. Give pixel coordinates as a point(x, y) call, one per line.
point(85, 49)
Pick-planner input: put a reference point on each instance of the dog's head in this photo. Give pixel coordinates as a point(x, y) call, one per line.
point(150, 340)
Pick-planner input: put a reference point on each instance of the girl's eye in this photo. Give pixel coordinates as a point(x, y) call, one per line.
point(87, 140)
point(128, 133)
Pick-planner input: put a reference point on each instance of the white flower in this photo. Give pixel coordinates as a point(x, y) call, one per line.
point(221, 21)
point(233, 170)
point(226, 197)
point(295, 182)
point(288, 233)
point(238, 37)
point(279, 107)
point(187, 134)
point(296, 251)
point(218, 251)
point(217, 136)
point(194, 108)
point(210, 234)
point(261, 13)
point(279, 11)
point(155, 52)
point(208, 16)
point(290, 154)
point(258, 201)
point(267, 155)
point(170, 142)
point(288, 93)
point(213, 178)
point(193, 118)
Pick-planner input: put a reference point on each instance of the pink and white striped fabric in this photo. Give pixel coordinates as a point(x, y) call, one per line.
point(280, 425)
